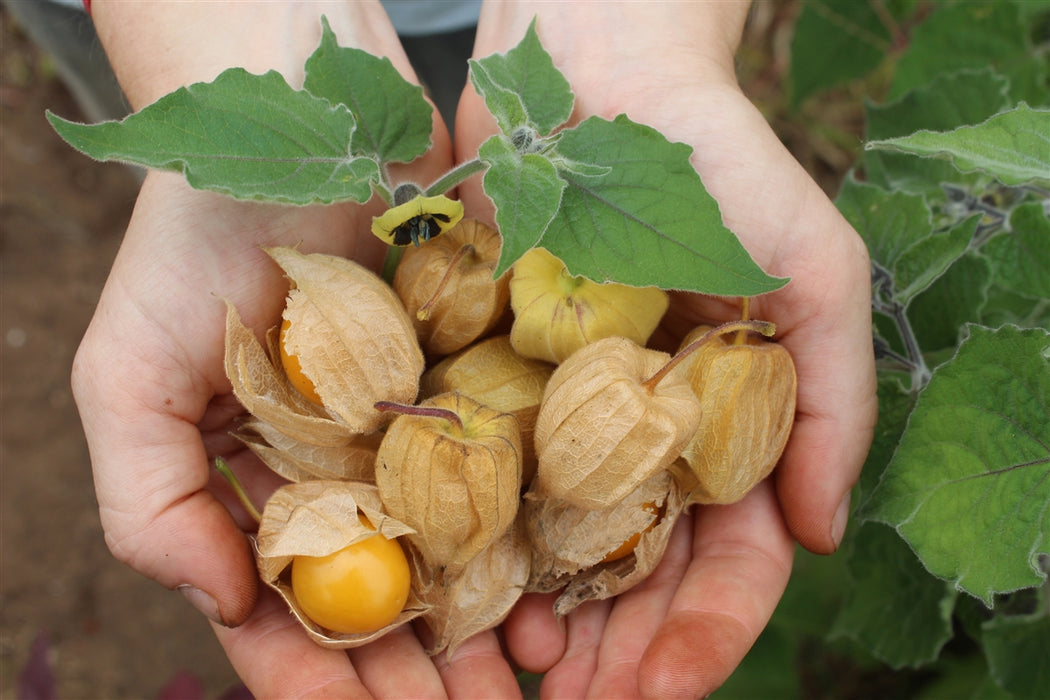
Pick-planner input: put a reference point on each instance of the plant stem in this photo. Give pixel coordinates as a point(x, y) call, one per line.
point(235, 483)
point(424, 411)
point(745, 314)
point(882, 283)
point(764, 327)
point(455, 176)
point(393, 257)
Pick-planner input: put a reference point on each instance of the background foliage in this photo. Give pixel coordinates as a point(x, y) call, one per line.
point(940, 589)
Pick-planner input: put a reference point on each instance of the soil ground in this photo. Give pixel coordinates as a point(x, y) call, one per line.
point(111, 633)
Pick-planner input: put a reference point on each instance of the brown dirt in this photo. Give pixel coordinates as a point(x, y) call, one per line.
point(113, 633)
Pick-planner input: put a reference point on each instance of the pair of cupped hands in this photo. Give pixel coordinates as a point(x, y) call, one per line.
point(157, 407)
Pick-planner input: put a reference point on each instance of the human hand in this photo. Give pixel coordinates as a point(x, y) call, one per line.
point(149, 376)
point(671, 66)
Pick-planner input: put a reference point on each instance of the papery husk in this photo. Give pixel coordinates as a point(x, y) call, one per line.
point(748, 394)
point(493, 374)
point(261, 387)
point(351, 335)
point(555, 314)
point(569, 543)
point(477, 598)
point(600, 433)
point(316, 518)
point(302, 461)
point(471, 302)
point(458, 492)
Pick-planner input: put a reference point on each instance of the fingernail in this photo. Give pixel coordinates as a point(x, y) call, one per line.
point(838, 523)
point(202, 601)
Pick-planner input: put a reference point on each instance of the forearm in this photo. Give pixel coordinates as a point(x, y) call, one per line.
point(156, 47)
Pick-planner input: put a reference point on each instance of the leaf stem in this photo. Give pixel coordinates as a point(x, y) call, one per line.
point(235, 483)
point(454, 177)
point(882, 283)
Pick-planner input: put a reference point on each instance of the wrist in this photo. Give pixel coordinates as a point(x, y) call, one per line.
point(156, 48)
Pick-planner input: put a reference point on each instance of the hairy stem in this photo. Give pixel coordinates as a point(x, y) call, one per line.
point(455, 176)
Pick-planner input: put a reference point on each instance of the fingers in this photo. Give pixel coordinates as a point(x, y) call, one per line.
point(477, 669)
point(571, 676)
point(397, 666)
point(273, 656)
point(742, 558)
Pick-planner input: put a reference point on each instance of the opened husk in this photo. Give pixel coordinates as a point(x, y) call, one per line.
point(351, 335)
point(555, 314)
point(600, 433)
point(748, 394)
point(447, 287)
point(457, 487)
point(316, 518)
point(354, 460)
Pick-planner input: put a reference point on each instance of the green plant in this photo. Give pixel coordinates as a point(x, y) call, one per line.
point(944, 571)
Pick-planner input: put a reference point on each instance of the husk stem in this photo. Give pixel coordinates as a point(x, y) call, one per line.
point(424, 411)
point(223, 468)
point(766, 328)
point(745, 314)
point(423, 314)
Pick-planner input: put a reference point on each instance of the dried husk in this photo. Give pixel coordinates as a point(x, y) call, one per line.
point(316, 518)
point(302, 461)
point(261, 387)
point(458, 489)
point(555, 314)
point(352, 336)
point(569, 542)
point(493, 374)
point(600, 433)
point(471, 301)
point(748, 394)
point(477, 598)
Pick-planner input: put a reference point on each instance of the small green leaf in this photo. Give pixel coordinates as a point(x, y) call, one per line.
point(897, 228)
point(835, 41)
point(1016, 648)
point(949, 101)
point(1013, 146)
point(504, 104)
point(393, 118)
point(528, 72)
point(248, 136)
point(893, 606)
point(1021, 256)
point(647, 219)
point(969, 485)
point(526, 190)
point(940, 313)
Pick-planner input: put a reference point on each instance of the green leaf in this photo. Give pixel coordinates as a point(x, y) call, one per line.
point(1016, 648)
point(895, 404)
point(940, 314)
point(393, 118)
point(248, 136)
point(949, 101)
point(1013, 146)
point(976, 35)
point(969, 485)
point(897, 228)
point(1021, 256)
point(528, 73)
point(647, 220)
point(526, 190)
point(894, 607)
point(835, 42)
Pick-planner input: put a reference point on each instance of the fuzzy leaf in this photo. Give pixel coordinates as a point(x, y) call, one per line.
point(527, 192)
point(248, 136)
point(1021, 256)
point(646, 219)
point(893, 606)
point(969, 485)
point(393, 118)
point(1012, 146)
point(1016, 650)
point(527, 72)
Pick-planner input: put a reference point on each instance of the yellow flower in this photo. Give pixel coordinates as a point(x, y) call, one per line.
point(418, 219)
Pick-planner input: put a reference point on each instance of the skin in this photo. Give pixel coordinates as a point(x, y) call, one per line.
point(156, 406)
